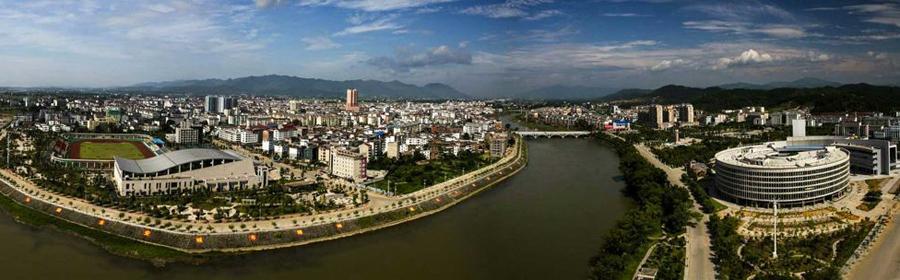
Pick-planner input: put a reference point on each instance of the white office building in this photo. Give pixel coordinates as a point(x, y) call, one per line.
point(789, 175)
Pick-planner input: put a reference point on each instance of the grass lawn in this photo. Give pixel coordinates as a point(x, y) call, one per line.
point(101, 150)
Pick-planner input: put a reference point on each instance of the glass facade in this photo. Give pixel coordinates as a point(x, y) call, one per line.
point(760, 185)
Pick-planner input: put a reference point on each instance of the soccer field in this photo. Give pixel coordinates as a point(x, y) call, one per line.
point(107, 150)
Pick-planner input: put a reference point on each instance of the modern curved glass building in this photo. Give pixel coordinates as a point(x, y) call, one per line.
point(791, 175)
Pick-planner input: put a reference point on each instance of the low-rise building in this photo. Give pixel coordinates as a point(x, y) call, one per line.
point(187, 135)
point(348, 165)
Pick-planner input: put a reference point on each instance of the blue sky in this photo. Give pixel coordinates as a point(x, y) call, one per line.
point(480, 47)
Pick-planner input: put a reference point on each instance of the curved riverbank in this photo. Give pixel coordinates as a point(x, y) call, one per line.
point(544, 222)
point(413, 206)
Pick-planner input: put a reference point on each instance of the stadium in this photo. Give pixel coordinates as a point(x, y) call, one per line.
point(791, 175)
point(96, 151)
point(187, 170)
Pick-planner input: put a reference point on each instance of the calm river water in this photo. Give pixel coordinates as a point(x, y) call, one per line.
point(543, 223)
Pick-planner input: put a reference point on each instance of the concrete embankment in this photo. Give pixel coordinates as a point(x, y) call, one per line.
point(248, 239)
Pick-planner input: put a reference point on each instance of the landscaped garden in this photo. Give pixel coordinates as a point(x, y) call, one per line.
point(412, 173)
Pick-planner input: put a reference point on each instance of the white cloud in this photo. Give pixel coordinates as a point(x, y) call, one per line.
point(386, 23)
point(372, 5)
point(533, 35)
point(747, 57)
point(877, 55)
point(880, 13)
point(870, 37)
point(161, 8)
point(782, 31)
point(743, 28)
point(666, 64)
point(320, 43)
point(741, 11)
point(428, 10)
point(495, 11)
point(508, 9)
point(818, 57)
point(883, 13)
point(267, 3)
point(544, 14)
point(405, 60)
point(624, 15)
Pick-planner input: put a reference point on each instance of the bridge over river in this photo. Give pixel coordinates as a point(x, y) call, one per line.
point(551, 134)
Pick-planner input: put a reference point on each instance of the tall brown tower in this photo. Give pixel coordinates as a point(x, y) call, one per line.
point(351, 102)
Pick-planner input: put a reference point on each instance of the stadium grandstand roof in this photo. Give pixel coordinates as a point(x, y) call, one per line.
point(173, 159)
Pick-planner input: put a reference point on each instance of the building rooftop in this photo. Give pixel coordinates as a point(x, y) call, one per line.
point(777, 155)
point(172, 159)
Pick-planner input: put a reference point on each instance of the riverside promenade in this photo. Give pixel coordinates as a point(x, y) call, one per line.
point(266, 233)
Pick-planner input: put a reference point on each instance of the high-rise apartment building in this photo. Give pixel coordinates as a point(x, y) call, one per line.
point(656, 116)
point(352, 103)
point(218, 104)
point(686, 113)
point(669, 114)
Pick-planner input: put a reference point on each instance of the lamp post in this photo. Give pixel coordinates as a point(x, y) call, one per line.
point(775, 231)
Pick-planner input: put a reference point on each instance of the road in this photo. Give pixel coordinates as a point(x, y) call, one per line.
point(883, 260)
point(698, 256)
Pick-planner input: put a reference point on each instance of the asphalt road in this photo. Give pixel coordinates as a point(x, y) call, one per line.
point(698, 256)
point(883, 261)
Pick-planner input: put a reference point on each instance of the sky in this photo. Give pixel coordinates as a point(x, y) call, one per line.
point(483, 48)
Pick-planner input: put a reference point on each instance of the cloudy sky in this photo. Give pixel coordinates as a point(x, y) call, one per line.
point(480, 47)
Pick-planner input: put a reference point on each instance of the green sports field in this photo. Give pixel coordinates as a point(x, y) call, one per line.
point(107, 150)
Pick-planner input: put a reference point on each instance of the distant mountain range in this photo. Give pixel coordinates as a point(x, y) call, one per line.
point(564, 92)
point(845, 98)
point(800, 83)
point(302, 87)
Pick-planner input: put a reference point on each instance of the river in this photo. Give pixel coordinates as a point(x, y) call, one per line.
point(543, 223)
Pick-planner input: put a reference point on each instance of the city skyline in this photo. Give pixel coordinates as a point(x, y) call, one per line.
point(480, 48)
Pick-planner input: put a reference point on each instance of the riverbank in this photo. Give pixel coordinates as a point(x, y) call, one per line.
point(663, 211)
point(160, 245)
point(111, 243)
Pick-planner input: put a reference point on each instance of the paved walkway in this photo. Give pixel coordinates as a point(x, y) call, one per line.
point(698, 256)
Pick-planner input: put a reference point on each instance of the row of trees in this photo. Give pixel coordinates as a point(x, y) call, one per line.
point(707, 204)
point(661, 209)
point(725, 242)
